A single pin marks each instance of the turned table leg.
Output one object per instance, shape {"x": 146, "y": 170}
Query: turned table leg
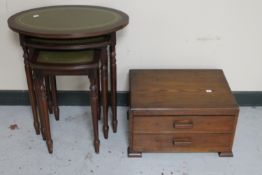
{"x": 31, "y": 92}
{"x": 40, "y": 108}
{"x": 55, "y": 107}
{"x": 104, "y": 78}
{"x": 113, "y": 80}
{"x": 43, "y": 104}
{"x": 97, "y": 55}
{"x": 49, "y": 96}
{"x": 94, "y": 105}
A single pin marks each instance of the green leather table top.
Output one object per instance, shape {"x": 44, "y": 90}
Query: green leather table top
{"x": 68, "y": 21}
{"x": 62, "y": 57}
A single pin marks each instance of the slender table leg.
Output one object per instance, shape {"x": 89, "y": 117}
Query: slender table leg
{"x": 49, "y": 97}
{"x": 94, "y": 105}
{"x": 113, "y": 80}
{"x": 98, "y": 94}
{"x": 41, "y": 91}
{"x": 31, "y": 92}
{"x": 55, "y": 107}
{"x": 97, "y": 55}
{"x": 104, "y": 77}
{"x": 40, "y": 108}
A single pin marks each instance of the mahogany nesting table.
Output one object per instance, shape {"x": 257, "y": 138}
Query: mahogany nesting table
{"x": 71, "y": 27}
{"x": 181, "y": 111}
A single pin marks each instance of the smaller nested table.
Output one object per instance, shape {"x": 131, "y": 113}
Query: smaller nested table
{"x": 71, "y": 28}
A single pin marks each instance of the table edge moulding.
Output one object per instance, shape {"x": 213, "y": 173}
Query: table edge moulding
{"x": 66, "y": 35}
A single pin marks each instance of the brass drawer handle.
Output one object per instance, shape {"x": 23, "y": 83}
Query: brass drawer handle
{"x": 183, "y": 124}
{"x": 182, "y": 142}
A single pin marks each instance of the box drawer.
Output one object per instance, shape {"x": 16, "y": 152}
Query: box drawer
{"x": 183, "y": 124}
{"x": 182, "y": 142}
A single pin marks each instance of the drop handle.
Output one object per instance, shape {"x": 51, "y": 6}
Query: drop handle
{"x": 182, "y": 142}
{"x": 183, "y": 124}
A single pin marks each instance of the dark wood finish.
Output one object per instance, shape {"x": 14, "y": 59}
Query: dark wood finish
{"x": 113, "y": 81}
{"x": 32, "y": 31}
{"x": 93, "y": 77}
{"x": 49, "y": 96}
{"x": 42, "y": 95}
{"x": 184, "y": 124}
{"x": 54, "y": 97}
{"x": 104, "y": 79}
{"x": 181, "y": 142}
{"x": 32, "y": 98}
{"x": 97, "y": 54}
{"x": 181, "y": 111}
{"x": 44, "y": 71}
{"x": 65, "y": 46}
{"x": 189, "y": 86}
{"x": 39, "y": 104}
{"x": 98, "y": 30}
{"x": 130, "y": 151}
{"x": 98, "y": 91}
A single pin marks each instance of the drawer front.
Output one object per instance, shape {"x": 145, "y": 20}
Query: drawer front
{"x": 182, "y": 142}
{"x": 183, "y": 124}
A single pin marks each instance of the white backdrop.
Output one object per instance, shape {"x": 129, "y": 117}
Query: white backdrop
{"x": 224, "y": 34}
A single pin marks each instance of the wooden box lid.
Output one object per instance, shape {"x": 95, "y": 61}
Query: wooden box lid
{"x": 181, "y": 92}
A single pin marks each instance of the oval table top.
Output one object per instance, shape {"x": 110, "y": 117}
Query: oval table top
{"x": 68, "y": 22}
